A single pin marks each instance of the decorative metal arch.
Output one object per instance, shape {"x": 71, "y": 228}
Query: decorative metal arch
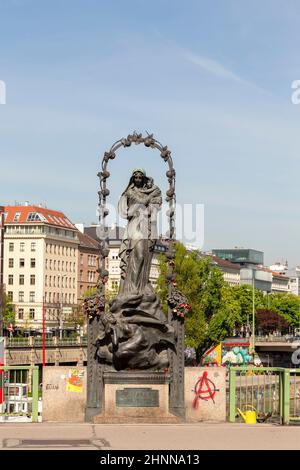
{"x": 95, "y": 369}
{"x": 165, "y": 153}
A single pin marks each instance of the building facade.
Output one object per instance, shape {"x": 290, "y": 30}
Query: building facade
{"x": 231, "y": 271}
{"x": 243, "y": 256}
{"x": 88, "y": 264}
{"x": 40, "y": 265}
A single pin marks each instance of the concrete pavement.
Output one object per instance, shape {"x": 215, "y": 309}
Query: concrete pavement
{"x": 198, "y": 436}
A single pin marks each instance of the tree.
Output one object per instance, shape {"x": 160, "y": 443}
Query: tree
{"x": 9, "y": 313}
{"x": 287, "y": 305}
{"x": 224, "y": 320}
{"x": 269, "y": 321}
{"x": 214, "y": 310}
{"x": 244, "y": 295}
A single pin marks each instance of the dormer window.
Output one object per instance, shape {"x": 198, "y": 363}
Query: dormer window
{"x": 34, "y": 217}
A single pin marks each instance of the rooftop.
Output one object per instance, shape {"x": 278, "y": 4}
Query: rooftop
{"x": 31, "y": 214}
{"x": 86, "y": 241}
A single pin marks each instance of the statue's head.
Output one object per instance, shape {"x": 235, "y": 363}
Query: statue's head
{"x": 139, "y": 177}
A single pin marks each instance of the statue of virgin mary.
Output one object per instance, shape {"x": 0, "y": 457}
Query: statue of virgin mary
{"x": 135, "y": 332}
{"x": 139, "y": 204}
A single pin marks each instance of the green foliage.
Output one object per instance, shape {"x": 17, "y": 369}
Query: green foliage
{"x": 214, "y": 309}
{"x": 9, "y": 314}
{"x": 225, "y": 318}
{"x": 243, "y": 294}
{"x": 89, "y": 292}
{"x": 287, "y": 305}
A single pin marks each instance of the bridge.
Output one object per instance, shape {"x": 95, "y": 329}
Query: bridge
{"x": 23, "y": 351}
{"x": 277, "y": 351}
{"x": 273, "y": 350}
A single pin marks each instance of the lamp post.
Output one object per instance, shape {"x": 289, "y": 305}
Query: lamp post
{"x": 253, "y": 311}
{"x": 61, "y": 318}
{"x": 1, "y": 268}
{"x": 43, "y": 334}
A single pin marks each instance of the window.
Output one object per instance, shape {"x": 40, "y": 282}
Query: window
{"x": 21, "y": 296}
{"x": 17, "y": 216}
{"x": 54, "y": 281}
{"x": 21, "y": 279}
{"x": 46, "y": 281}
{"x": 11, "y": 247}
{"x": 31, "y": 313}
{"x": 10, "y": 296}
{"x": 54, "y": 265}
{"x": 32, "y": 263}
{"x": 10, "y": 279}
{"x": 33, "y": 246}
{"x": 11, "y": 263}
{"x": 22, "y": 246}
{"x": 31, "y": 296}
{"x": 32, "y": 280}
{"x": 21, "y": 313}
{"x": 34, "y": 217}
{"x": 114, "y": 285}
{"x": 50, "y": 264}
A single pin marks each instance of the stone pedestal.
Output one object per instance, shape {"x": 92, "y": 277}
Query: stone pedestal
{"x": 136, "y": 397}
{"x": 61, "y": 402}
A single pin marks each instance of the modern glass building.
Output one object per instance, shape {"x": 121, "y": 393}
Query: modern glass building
{"x": 240, "y": 255}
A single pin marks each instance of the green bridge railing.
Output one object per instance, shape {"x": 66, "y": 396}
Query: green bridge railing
{"x": 274, "y": 393}
{"x": 19, "y": 392}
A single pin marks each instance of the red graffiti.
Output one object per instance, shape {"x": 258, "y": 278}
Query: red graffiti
{"x": 205, "y": 389}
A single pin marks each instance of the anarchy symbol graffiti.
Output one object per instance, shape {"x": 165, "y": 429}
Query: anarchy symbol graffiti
{"x": 205, "y": 389}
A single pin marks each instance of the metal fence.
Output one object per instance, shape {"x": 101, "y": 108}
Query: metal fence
{"x": 19, "y": 393}
{"x": 273, "y": 392}
{"x": 49, "y": 342}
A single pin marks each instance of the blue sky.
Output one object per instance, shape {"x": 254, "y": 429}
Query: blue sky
{"x": 210, "y": 79}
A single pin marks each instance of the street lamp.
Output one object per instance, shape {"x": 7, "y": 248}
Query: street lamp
{"x": 61, "y": 317}
{"x": 253, "y": 311}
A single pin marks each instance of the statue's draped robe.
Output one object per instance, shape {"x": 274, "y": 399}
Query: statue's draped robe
{"x": 139, "y": 206}
{"x": 139, "y": 333}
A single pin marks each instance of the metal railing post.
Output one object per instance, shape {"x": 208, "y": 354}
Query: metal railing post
{"x": 286, "y": 397}
{"x": 35, "y": 393}
{"x": 232, "y": 395}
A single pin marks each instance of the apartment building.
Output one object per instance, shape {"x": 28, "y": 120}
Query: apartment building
{"x": 88, "y": 263}
{"x": 40, "y": 265}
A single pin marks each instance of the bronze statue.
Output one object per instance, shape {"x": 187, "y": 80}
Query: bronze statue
{"x": 135, "y": 333}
